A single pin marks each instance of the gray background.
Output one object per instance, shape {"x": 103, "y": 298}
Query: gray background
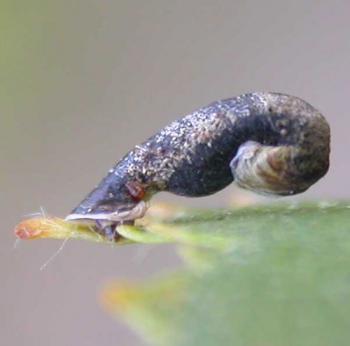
{"x": 82, "y": 81}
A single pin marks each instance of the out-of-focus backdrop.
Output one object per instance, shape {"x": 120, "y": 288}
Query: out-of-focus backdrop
{"x": 83, "y": 81}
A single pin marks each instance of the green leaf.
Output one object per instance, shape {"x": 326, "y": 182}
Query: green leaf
{"x": 255, "y": 276}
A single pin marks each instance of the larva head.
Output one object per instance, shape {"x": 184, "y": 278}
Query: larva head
{"x": 104, "y": 206}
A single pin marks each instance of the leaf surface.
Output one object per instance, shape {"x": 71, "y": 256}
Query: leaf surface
{"x": 255, "y": 276}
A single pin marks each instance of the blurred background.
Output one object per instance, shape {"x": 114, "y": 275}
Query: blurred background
{"x": 81, "y": 82}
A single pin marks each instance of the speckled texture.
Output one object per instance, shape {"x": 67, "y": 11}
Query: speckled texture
{"x": 267, "y": 142}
